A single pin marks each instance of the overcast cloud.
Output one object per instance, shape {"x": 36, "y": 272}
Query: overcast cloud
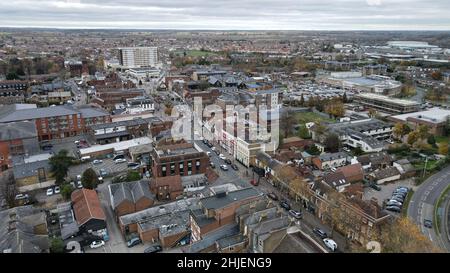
{"x": 229, "y": 14}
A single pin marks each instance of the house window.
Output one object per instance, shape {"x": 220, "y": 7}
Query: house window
{"x": 172, "y": 168}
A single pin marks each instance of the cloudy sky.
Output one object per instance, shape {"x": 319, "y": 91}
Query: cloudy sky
{"x": 229, "y": 14}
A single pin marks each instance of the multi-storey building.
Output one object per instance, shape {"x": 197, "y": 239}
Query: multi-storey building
{"x": 57, "y": 121}
{"x": 138, "y": 56}
{"x": 182, "y": 159}
{"x": 387, "y": 104}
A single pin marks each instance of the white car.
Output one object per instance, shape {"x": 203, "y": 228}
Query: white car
{"x": 97, "y": 244}
{"x": 79, "y": 177}
{"x": 57, "y": 190}
{"x": 221, "y": 156}
{"x": 97, "y": 161}
{"x": 330, "y": 244}
{"x": 79, "y": 185}
{"x": 224, "y": 167}
{"x": 49, "y": 191}
{"x": 208, "y": 153}
{"x": 120, "y": 160}
{"x": 213, "y": 148}
{"x": 100, "y": 179}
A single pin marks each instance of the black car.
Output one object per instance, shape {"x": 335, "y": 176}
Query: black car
{"x": 428, "y": 223}
{"x": 322, "y": 234}
{"x": 234, "y": 167}
{"x": 47, "y": 147}
{"x": 272, "y": 196}
{"x": 285, "y": 205}
{"x": 153, "y": 249}
{"x": 228, "y": 161}
{"x": 375, "y": 187}
{"x": 217, "y": 152}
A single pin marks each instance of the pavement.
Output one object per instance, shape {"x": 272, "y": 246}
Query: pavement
{"x": 421, "y": 206}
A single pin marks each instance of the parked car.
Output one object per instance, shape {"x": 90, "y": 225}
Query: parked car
{"x": 103, "y": 173}
{"x": 153, "y": 249}
{"x": 322, "y": 234}
{"x": 228, "y": 161}
{"x": 97, "y": 244}
{"x": 49, "y": 191}
{"x": 213, "y": 166}
{"x": 224, "y": 167}
{"x": 217, "y": 152}
{"x": 285, "y": 205}
{"x": 221, "y": 156}
{"x": 79, "y": 177}
{"x": 97, "y": 161}
{"x": 397, "y": 198}
{"x": 394, "y": 203}
{"x": 272, "y": 196}
{"x": 296, "y": 214}
{"x": 254, "y": 182}
{"x": 330, "y": 244}
{"x": 375, "y": 186}
{"x": 100, "y": 179}
{"x": 57, "y": 190}
{"x": 213, "y": 148}
{"x": 79, "y": 185}
{"x": 393, "y": 208}
{"x": 120, "y": 160}
{"x": 118, "y": 157}
{"x": 133, "y": 242}
{"x": 208, "y": 153}
{"x": 428, "y": 223}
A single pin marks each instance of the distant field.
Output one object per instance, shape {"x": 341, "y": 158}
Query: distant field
{"x": 312, "y": 117}
{"x": 196, "y": 53}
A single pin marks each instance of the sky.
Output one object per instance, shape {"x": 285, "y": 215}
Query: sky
{"x": 229, "y": 14}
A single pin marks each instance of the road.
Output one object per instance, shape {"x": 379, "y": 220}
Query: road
{"x": 421, "y": 206}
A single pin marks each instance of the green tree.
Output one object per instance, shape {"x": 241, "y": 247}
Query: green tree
{"x": 56, "y": 245}
{"x": 357, "y": 151}
{"x": 89, "y": 179}
{"x": 287, "y": 122}
{"x": 431, "y": 140}
{"x": 59, "y": 165}
{"x": 303, "y": 132}
{"x": 133, "y": 176}
{"x": 313, "y": 150}
{"x": 332, "y": 142}
{"x": 66, "y": 191}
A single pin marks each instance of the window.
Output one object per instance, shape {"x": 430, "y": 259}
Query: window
{"x": 172, "y": 168}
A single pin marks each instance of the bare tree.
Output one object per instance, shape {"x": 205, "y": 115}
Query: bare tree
{"x": 8, "y": 189}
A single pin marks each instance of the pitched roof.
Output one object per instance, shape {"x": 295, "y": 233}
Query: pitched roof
{"x": 351, "y": 171}
{"x": 335, "y": 180}
{"x": 86, "y": 206}
{"x": 131, "y": 191}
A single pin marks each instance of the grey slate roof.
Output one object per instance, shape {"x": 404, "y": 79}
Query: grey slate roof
{"x": 18, "y": 130}
{"x": 30, "y": 169}
{"x": 131, "y": 191}
{"x": 29, "y": 114}
{"x": 332, "y": 156}
{"x": 215, "y": 202}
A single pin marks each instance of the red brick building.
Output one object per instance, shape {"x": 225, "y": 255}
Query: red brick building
{"x": 166, "y": 188}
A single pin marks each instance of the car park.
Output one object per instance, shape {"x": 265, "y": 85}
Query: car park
{"x": 296, "y": 214}
{"x": 224, "y": 167}
{"x": 322, "y": 234}
{"x": 133, "y": 242}
{"x": 49, "y": 191}
{"x": 330, "y": 244}
{"x": 97, "y": 244}
{"x": 285, "y": 205}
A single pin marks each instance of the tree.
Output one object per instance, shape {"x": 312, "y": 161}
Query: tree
{"x": 303, "y": 132}
{"x": 344, "y": 97}
{"x": 133, "y": 176}
{"x": 302, "y": 100}
{"x": 443, "y": 148}
{"x": 335, "y": 108}
{"x": 404, "y": 236}
{"x": 287, "y": 122}
{"x": 400, "y": 129}
{"x": 357, "y": 151}
{"x": 332, "y": 142}
{"x": 423, "y": 131}
{"x": 436, "y": 75}
{"x": 89, "y": 179}
{"x": 313, "y": 150}
{"x": 66, "y": 191}
{"x": 8, "y": 188}
{"x": 59, "y": 165}
{"x": 203, "y": 85}
{"x": 413, "y": 137}
{"x": 431, "y": 140}
{"x": 57, "y": 245}
{"x": 372, "y": 113}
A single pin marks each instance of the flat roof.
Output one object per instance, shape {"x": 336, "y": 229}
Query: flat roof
{"x": 433, "y": 115}
{"x": 217, "y": 201}
{"x": 387, "y": 99}
{"x": 117, "y": 146}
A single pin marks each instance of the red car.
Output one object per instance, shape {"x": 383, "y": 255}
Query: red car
{"x": 254, "y": 182}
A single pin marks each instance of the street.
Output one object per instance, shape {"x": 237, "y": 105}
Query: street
{"x": 421, "y": 206}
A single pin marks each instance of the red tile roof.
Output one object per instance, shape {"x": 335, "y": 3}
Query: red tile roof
{"x": 86, "y": 206}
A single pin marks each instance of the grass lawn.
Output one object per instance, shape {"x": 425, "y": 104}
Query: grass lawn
{"x": 312, "y": 117}
{"x": 440, "y": 139}
{"x": 197, "y": 53}
{"x": 430, "y": 165}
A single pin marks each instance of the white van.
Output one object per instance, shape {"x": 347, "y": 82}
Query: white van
{"x": 85, "y": 158}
